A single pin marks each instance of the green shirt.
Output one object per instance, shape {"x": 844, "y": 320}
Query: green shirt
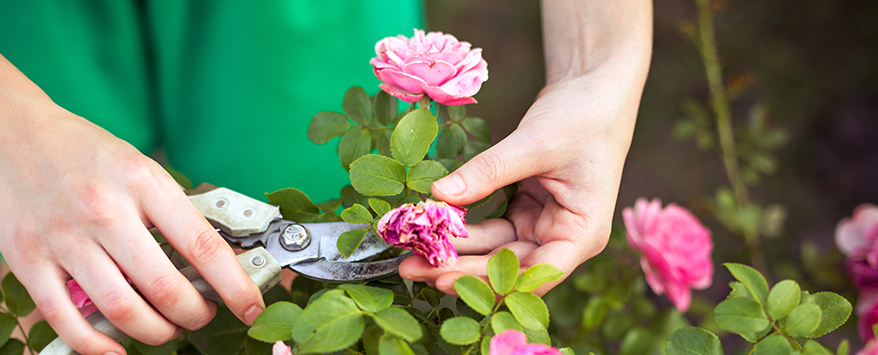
{"x": 227, "y": 88}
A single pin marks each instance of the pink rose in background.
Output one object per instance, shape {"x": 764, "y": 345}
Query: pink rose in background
{"x": 80, "y": 299}
{"x": 513, "y": 342}
{"x": 871, "y": 349}
{"x": 436, "y": 64}
{"x": 675, "y": 249}
{"x": 857, "y": 238}
{"x": 426, "y": 229}
{"x": 279, "y": 348}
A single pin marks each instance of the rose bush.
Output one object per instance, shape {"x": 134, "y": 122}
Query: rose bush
{"x": 449, "y": 71}
{"x": 857, "y": 238}
{"x": 675, "y": 249}
{"x": 425, "y": 228}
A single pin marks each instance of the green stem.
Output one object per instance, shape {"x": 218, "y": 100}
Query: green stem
{"x": 424, "y": 102}
{"x": 725, "y": 130}
{"x": 23, "y": 332}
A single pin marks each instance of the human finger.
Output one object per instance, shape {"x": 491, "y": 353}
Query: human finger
{"x": 416, "y": 268}
{"x": 485, "y": 236}
{"x": 143, "y": 261}
{"x": 199, "y": 243}
{"x": 105, "y": 285}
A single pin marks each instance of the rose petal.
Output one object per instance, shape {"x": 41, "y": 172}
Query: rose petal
{"x": 506, "y": 342}
{"x": 399, "y": 93}
{"x": 407, "y": 82}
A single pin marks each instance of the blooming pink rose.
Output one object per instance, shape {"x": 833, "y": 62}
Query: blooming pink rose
{"x": 871, "y": 349}
{"x": 436, "y": 64}
{"x": 675, "y": 249}
{"x": 279, "y": 348}
{"x": 513, "y": 342}
{"x": 425, "y": 228}
{"x": 80, "y": 299}
{"x": 857, "y": 237}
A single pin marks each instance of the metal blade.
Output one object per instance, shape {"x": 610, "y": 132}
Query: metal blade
{"x": 328, "y": 234}
{"x": 349, "y": 272}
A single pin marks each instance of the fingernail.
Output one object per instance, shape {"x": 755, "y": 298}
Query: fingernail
{"x": 251, "y": 314}
{"x": 452, "y": 185}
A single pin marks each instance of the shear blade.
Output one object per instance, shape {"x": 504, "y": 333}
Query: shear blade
{"x": 349, "y": 272}
{"x": 329, "y": 233}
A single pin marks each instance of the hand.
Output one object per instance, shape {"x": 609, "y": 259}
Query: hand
{"x": 568, "y": 153}
{"x": 77, "y": 203}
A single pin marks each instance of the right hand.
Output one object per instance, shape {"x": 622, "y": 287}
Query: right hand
{"x": 77, "y": 202}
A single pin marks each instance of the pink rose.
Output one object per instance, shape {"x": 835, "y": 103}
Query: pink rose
{"x": 675, "y": 249}
{"x": 871, "y": 349}
{"x": 80, "y": 299}
{"x": 279, "y": 348}
{"x": 513, "y": 342}
{"x": 436, "y": 64}
{"x": 426, "y": 229}
{"x": 857, "y": 237}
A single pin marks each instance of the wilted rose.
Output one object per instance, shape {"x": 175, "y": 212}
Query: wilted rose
{"x": 426, "y": 229}
{"x": 857, "y": 237}
{"x": 279, "y": 348}
{"x": 513, "y": 342}
{"x": 436, "y": 64}
{"x": 80, "y": 299}
{"x": 675, "y": 249}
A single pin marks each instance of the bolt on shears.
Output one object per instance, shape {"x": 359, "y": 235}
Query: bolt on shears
{"x": 274, "y": 243}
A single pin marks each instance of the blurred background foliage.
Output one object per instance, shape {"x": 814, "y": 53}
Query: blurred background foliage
{"x": 808, "y": 65}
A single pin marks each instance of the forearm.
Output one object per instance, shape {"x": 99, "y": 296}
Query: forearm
{"x": 581, "y": 36}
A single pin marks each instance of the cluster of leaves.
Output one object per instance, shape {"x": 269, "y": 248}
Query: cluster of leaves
{"x": 606, "y": 309}
{"x": 385, "y": 152}
{"x": 381, "y": 318}
{"x": 18, "y": 304}
{"x": 775, "y": 320}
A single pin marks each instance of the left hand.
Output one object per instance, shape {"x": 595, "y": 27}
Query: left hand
{"x": 568, "y": 152}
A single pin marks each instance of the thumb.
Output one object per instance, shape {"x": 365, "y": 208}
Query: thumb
{"x": 508, "y": 161}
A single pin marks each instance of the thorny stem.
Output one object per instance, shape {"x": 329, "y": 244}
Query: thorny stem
{"x": 720, "y": 104}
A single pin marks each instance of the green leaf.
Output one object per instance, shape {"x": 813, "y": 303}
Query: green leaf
{"x": 18, "y": 301}
{"x": 326, "y": 126}
{"x": 386, "y": 108}
{"x": 354, "y": 144}
{"x": 7, "y": 326}
{"x": 376, "y": 175}
{"x": 349, "y": 196}
{"x": 40, "y": 335}
{"x": 329, "y": 206}
{"x": 476, "y": 293}
{"x": 481, "y": 202}
{"x": 539, "y": 336}
{"x": 450, "y": 164}
{"x": 812, "y": 347}
{"x": 294, "y": 204}
{"x": 460, "y": 331}
{"x": 398, "y": 322}
{"x": 502, "y": 321}
{"x": 684, "y": 129}
{"x": 13, "y": 347}
{"x": 134, "y": 347}
{"x": 357, "y": 214}
{"x": 471, "y": 149}
{"x": 843, "y": 348}
{"x": 803, "y": 320}
{"x": 331, "y": 323}
{"x": 503, "y": 271}
{"x": 380, "y": 206}
{"x": 225, "y": 334}
{"x": 445, "y": 313}
{"x": 369, "y": 299}
{"x": 275, "y": 323}
{"x": 738, "y": 290}
{"x": 536, "y": 276}
{"x": 413, "y": 136}
{"x": 478, "y": 128}
{"x": 773, "y": 345}
{"x": 459, "y": 136}
{"x": 446, "y": 145}
{"x": 594, "y": 312}
{"x": 456, "y": 112}
{"x": 421, "y": 177}
{"x": 637, "y": 341}
{"x": 693, "y": 341}
{"x": 740, "y": 315}
{"x": 784, "y": 296}
{"x": 529, "y": 310}
{"x": 358, "y": 106}
{"x": 427, "y": 294}
{"x": 566, "y": 351}
{"x": 835, "y": 310}
{"x": 464, "y": 310}
{"x": 391, "y": 345}
{"x": 349, "y": 241}
{"x": 384, "y": 143}
{"x": 253, "y": 347}
{"x": 485, "y": 345}
{"x": 751, "y": 279}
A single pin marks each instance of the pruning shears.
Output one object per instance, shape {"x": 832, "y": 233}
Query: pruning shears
{"x": 274, "y": 243}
